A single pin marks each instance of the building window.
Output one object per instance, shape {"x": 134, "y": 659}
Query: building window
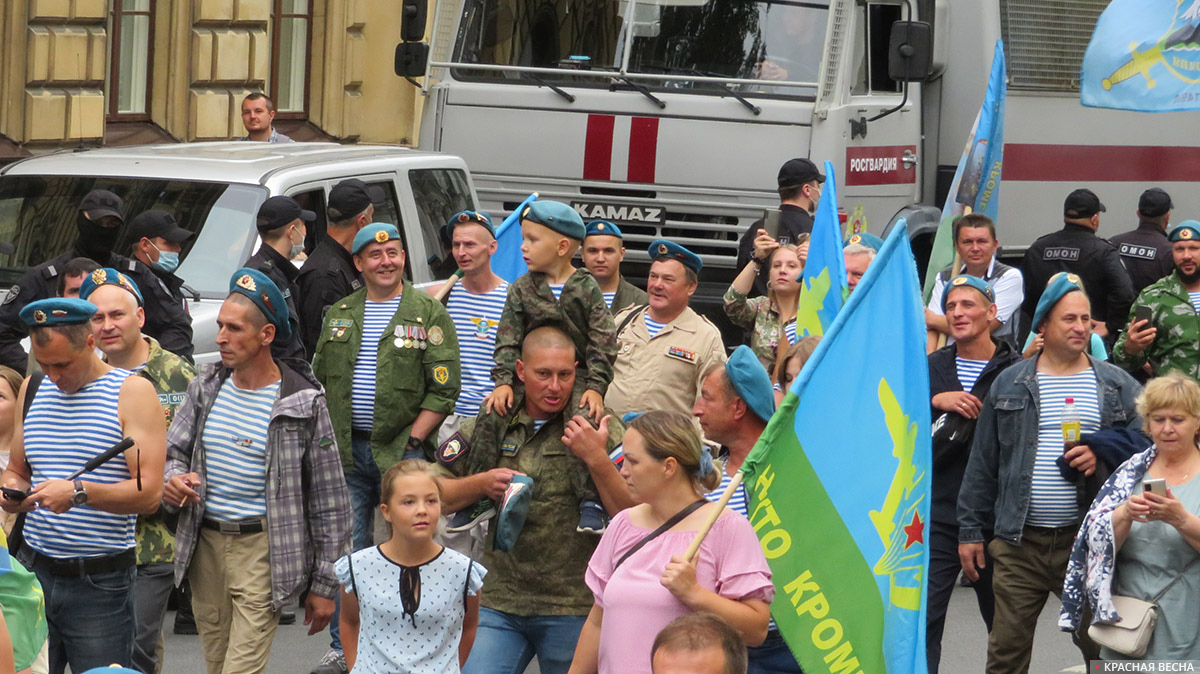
{"x": 291, "y": 34}
{"x": 131, "y": 29}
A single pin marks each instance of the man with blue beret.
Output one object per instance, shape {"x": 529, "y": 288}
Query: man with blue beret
{"x": 866, "y": 239}
{"x": 735, "y": 404}
{"x": 1013, "y": 482}
{"x": 602, "y": 253}
{"x": 117, "y": 326}
{"x": 253, "y": 443}
{"x": 79, "y": 533}
{"x": 281, "y": 226}
{"x": 960, "y": 376}
{"x": 389, "y": 360}
{"x": 1170, "y": 339}
{"x": 665, "y": 350}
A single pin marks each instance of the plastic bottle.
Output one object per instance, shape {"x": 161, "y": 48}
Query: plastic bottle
{"x": 1071, "y": 426}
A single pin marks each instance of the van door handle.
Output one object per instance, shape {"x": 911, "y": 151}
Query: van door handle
{"x": 909, "y": 159}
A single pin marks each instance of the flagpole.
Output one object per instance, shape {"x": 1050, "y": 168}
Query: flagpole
{"x": 953, "y": 268}
{"x": 712, "y": 518}
{"x": 445, "y": 289}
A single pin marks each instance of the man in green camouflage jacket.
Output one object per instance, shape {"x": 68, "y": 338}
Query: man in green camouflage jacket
{"x": 117, "y": 326}
{"x": 1170, "y": 340}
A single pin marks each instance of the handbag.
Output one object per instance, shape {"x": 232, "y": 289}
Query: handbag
{"x": 666, "y": 526}
{"x": 1131, "y": 634}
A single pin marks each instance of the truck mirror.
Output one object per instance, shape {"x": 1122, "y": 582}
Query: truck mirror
{"x": 910, "y": 51}
{"x": 411, "y": 58}
{"x": 412, "y": 20}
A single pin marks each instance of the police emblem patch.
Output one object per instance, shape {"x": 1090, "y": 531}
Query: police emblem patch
{"x": 245, "y": 281}
{"x": 381, "y": 236}
{"x": 12, "y": 294}
{"x": 436, "y": 336}
{"x": 441, "y": 374}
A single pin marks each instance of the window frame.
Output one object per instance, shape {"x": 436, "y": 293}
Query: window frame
{"x": 113, "y": 82}
{"x": 276, "y": 23}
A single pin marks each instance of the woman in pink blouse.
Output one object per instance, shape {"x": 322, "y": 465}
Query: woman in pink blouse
{"x": 637, "y": 594}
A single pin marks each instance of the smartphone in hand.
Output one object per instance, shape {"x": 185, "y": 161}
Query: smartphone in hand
{"x": 14, "y": 495}
{"x": 1155, "y": 485}
{"x": 1142, "y": 313}
{"x": 771, "y": 218}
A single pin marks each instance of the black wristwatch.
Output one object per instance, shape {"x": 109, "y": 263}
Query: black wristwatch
{"x": 414, "y": 445}
{"x": 81, "y": 496}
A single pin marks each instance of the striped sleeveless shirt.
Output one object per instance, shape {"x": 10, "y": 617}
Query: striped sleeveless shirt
{"x": 62, "y": 432}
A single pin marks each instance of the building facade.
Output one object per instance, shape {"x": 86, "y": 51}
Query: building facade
{"x": 119, "y": 72}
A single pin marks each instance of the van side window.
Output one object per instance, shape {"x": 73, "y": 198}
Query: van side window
{"x": 439, "y": 194}
{"x": 313, "y": 200}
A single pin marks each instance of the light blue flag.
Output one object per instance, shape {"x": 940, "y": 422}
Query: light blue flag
{"x": 1144, "y": 55}
{"x": 824, "y": 274}
{"x": 508, "y": 262}
{"x": 976, "y": 182}
{"x": 839, "y": 483}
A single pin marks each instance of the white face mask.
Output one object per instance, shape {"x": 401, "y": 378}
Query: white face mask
{"x": 297, "y": 248}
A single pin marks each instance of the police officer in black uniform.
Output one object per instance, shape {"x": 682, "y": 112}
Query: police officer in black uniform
{"x": 329, "y": 274}
{"x": 101, "y": 214}
{"x": 799, "y": 190}
{"x": 1146, "y": 251}
{"x": 1076, "y": 248}
{"x": 281, "y": 226}
{"x": 157, "y": 240}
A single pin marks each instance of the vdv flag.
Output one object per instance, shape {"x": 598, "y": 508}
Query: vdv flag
{"x": 1144, "y": 55}
{"x": 839, "y": 483}
{"x": 508, "y": 262}
{"x": 824, "y": 277}
{"x": 976, "y": 182}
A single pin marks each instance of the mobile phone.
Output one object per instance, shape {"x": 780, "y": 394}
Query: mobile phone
{"x": 1155, "y": 485}
{"x": 771, "y": 218}
{"x": 1142, "y": 313}
{"x": 14, "y": 495}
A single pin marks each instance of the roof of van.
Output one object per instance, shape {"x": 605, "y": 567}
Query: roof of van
{"x": 227, "y": 161}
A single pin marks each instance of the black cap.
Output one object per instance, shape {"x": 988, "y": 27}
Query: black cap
{"x": 150, "y": 224}
{"x": 1082, "y": 203}
{"x": 351, "y": 197}
{"x": 102, "y": 203}
{"x": 796, "y": 172}
{"x": 1154, "y": 202}
{"x": 279, "y": 211}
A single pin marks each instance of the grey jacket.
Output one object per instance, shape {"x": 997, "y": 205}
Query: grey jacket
{"x": 998, "y": 483}
{"x": 308, "y": 503}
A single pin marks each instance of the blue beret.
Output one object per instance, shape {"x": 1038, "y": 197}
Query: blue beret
{"x": 1060, "y": 284}
{"x": 1188, "y": 230}
{"x": 376, "y": 232}
{"x": 751, "y": 382}
{"x": 865, "y": 238}
{"x": 107, "y": 276}
{"x": 514, "y": 508}
{"x": 603, "y": 228}
{"x": 557, "y": 216}
{"x": 57, "y": 311}
{"x": 673, "y": 251}
{"x": 970, "y": 281}
{"x": 111, "y": 669}
{"x": 477, "y": 217}
{"x": 266, "y": 296}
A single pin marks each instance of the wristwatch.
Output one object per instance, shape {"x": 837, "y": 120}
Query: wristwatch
{"x": 81, "y": 495}
{"x": 414, "y": 445}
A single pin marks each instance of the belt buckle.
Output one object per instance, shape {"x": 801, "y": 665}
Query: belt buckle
{"x": 231, "y": 528}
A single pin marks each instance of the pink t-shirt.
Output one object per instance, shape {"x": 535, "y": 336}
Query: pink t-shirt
{"x": 636, "y": 605}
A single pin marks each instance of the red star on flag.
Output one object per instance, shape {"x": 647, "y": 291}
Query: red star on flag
{"x": 915, "y": 531}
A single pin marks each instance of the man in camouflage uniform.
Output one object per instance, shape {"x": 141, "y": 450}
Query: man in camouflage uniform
{"x": 1171, "y": 338}
{"x": 537, "y": 600}
{"x": 117, "y": 326}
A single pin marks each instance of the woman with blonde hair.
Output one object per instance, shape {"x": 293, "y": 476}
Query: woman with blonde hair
{"x": 1141, "y": 536}
{"x": 638, "y": 573}
{"x": 771, "y": 319}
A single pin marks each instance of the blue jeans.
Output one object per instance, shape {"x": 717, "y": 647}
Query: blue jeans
{"x": 772, "y": 657}
{"x": 90, "y": 617}
{"x": 506, "y": 643}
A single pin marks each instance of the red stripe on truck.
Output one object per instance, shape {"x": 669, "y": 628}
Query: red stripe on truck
{"x": 643, "y": 149}
{"x": 1101, "y": 163}
{"x": 597, "y": 147}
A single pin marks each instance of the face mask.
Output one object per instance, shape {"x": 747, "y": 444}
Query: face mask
{"x": 168, "y": 261}
{"x": 297, "y": 248}
{"x": 95, "y": 242}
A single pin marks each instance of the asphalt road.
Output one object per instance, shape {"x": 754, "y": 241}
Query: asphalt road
{"x": 964, "y": 646}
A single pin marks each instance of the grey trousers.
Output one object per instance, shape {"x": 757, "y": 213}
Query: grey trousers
{"x": 151, "y": 589}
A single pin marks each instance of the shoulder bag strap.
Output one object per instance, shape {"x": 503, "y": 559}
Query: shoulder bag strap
{"x": 350, "y": 563}
{"x": 16, "y": 535}
{"x": 666, "y": 526}
{"x": 1176, "y": 580}
{"x": 467, "y": 582}
{"x": 630, "y": 316}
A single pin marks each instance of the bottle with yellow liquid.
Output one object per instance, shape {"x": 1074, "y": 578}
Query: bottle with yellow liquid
{"x": 1071, "y": 426}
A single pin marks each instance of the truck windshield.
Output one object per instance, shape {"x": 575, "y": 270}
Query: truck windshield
{"x": 761, "y": 44}
{"x": 38, "y": 213}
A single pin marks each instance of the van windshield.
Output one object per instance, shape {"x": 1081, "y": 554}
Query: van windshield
{"x": 759, "y": 43}
{"x": 38, "y": 214}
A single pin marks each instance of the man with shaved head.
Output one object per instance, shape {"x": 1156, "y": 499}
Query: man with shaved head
{"x": 536, "y": 601}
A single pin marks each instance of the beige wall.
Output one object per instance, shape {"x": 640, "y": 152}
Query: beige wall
{"x": 208, "y": 54}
